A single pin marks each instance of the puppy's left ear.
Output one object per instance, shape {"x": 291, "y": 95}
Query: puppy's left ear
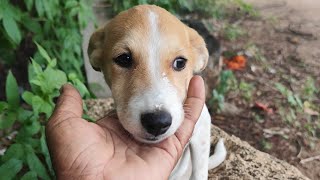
{"x": 200, "y": 50}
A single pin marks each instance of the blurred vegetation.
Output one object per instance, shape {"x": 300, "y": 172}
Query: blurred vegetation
{"x": 210, "y": 8}
{"x": 56, "y": 25}
{"x": 23, "y": 157}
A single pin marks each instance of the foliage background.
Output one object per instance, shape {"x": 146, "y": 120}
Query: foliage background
{"x": 41, "y": 71}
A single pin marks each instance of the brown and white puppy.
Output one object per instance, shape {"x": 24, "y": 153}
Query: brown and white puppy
{"x": 148, "y": 57}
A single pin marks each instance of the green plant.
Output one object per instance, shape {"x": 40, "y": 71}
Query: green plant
{"x": 310, "y": 89}
{"x": 246, "y": 8}
{"x": 232, "y": 32}
{"x": 227, "y": 82}
{"x": 56, "y": 24}
{"x": 293, "y": 99}
{"x": 266, "y": 145}
{"x": 288, "y": 114}
{"x": 211, "y": 8}
{"x": 255, "y": 52}
{"x": 257, "y": 117}
{"x": 27, "y": 156}
{"x": 246, "y": 90}
{"x": 171, "y": 5}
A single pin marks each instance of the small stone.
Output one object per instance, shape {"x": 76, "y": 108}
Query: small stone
{"x": 293, "y": 40}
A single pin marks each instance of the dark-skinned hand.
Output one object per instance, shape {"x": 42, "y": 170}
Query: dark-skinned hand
{"x": 104, "y": 150}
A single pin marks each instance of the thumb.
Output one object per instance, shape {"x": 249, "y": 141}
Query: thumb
{"x": 192, "y": 109}
{"x": 69, "y": 104}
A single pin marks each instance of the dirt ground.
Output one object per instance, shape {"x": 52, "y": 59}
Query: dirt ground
{"x": 285, "y": 38}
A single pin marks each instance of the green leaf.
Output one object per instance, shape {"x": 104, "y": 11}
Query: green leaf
{"x": 3, "y": 106}
{"x": 46, "y": 108}
{"x": 36, "y": 82}
{"x": 81, "y": 88}
{"x": 36, "y": 67}
{"x": 31, "y": 24}
{"x": 281, "y": 88}
{"x": 35, "y": 165}
{"x": 72, "y": 76}
{"x": 10, "y": 169}
{"x": 48, "y": 10}
{"x": 292, "y": 100}
{"x": 70, "y": 4}
{"x": 298, "y": 100}
{"x": 14, "y": 151}
{"x": 43, "y": 53}
{"x": 27, "y": 97}
{"x": 39, "y": 7}
{"x": 54, "y": 79}
{"x": 12, "y": 91}
{"x": 23, "y": 115}
{"x": 24, "y": 138}
{"x": 36, "y": 103}
{"x": 53, "y": 63}
{"x": 29, "y": 176}
{"x": 12, "y": 29}
{"x": 45, "y": 151}
{"x": 29, "y": 4}
{"x": 32, "y": 128}
{"x": 7, "y": 120}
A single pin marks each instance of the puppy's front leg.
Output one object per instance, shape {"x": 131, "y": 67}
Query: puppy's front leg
{"x": 200, "y": 146}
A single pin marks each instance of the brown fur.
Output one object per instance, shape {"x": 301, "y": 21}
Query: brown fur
{"x": 128, "y": 32}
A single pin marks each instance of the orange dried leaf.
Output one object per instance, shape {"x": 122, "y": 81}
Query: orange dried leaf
{"x": 264, "y": 107}
{"x": 236, "y": 62}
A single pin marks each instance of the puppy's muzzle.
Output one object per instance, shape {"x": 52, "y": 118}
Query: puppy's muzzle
{"x": 156, "y": 123}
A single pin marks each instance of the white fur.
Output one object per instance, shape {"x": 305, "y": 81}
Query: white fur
{"x": 161, "y": 96}
{"x": 154, "y": 44}
{"x": 195, "y": 157}
{"x": 220, "y": 154}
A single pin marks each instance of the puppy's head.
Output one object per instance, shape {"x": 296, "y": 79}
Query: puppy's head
{"x": 148, "y": 58}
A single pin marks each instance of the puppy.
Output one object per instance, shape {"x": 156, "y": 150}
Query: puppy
{"x": 148, "y": 57}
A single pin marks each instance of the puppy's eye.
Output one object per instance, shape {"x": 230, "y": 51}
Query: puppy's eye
{"x": 179, "y": 63}
{"x": 124, "y": 60}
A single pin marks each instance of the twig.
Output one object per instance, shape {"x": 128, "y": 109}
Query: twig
{"x": 310, "y": 159}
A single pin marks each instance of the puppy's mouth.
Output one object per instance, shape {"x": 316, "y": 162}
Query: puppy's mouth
{"x": 149, "y": 140}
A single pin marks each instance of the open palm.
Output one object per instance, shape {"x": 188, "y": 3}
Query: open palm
{"x": 104, "y": 150}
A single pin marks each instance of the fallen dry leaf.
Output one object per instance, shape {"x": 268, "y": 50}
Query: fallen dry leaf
{"x": 263, "y": 107}
{"x": 236, "y": 62}
{"x": 310, "y": 111}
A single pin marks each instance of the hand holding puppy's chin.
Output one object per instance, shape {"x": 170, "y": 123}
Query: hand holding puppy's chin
{"x": 104, "y": 150}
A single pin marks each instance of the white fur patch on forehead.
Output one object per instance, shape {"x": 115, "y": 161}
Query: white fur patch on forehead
{"x": 153, "y": 18}
{"x": 154, "y": 44}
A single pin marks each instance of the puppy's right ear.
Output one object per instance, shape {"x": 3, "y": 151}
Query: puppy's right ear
{"x": 95, "y": 48}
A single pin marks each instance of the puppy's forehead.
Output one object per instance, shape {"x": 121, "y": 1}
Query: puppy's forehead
{"x": 141, "y": 22}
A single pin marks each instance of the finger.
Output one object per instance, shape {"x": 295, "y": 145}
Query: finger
{"x": 192, "y": 107}
{"x": 69, "y": 104}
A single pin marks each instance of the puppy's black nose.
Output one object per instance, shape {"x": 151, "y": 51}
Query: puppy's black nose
{"x": 156, "y": 123}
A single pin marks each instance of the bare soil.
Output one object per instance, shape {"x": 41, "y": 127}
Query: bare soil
{"x": 286, "y": 37}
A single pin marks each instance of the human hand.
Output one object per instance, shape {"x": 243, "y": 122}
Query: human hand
{"x": 104, "y": 150}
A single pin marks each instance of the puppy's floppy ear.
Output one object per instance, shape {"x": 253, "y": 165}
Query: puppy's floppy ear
{"x": 95, "y": 48}
{"x": 200, "y": 50}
